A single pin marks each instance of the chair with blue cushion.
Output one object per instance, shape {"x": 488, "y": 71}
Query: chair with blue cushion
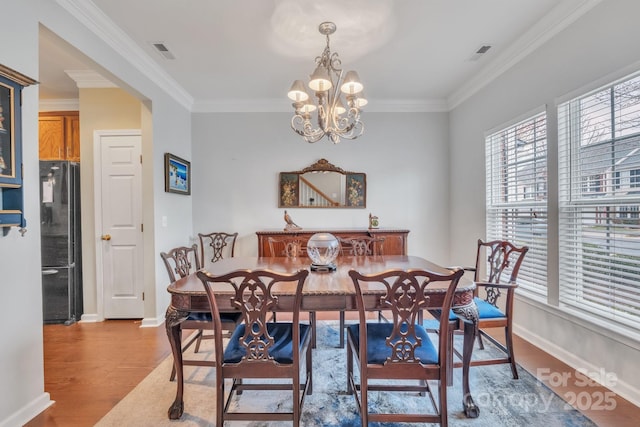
{"x": 180, "y": 262}
{"x": 268, "y": 354}
{"x": 399, "y": 356}
{"x": 501, "y": 260}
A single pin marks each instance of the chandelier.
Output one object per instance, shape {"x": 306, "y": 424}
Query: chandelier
{"x": 335, "y": 118}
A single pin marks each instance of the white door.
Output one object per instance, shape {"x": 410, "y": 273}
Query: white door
{"x": 120, "y": 242}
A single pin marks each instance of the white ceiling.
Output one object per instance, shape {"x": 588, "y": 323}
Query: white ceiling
{"x": 244, "y": 54}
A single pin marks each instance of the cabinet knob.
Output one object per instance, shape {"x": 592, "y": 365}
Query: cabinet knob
{"x": 106, "y": 237}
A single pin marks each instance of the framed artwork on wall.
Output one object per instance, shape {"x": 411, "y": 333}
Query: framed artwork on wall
{"x": 177, "y": 174}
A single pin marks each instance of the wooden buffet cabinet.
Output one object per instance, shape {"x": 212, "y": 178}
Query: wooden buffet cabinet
{"x": 59, "y": 135}
{"x": 395, "y": 242}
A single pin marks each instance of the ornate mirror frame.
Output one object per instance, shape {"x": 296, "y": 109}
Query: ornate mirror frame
{"x": 322, "y": 185}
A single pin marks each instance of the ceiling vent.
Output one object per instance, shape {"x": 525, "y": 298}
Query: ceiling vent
{"x": 163, "y": 50}
{"x": 479, "y": 52}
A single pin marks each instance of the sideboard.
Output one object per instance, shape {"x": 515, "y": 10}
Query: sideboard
{"x": 395, "y": 240}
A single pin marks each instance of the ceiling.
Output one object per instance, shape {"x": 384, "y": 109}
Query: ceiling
{"x": 244, "y": 54}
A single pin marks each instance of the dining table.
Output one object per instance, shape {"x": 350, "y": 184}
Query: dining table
{"x": 323, "y": 291}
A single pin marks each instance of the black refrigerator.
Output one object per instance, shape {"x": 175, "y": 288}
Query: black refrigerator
{"x": 60, "y": 241}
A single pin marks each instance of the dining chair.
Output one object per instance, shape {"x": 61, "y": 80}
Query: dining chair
{"x": 180, "y": 262}
{"x": 500, "y": 260}
{"x": 270, "y": 354}
{"x": 291, "y": 247}
{"x": 287, "y": 246}
{"x": 360, "y": 246}
{"x": 216, "y": 246}
{"x": 399, "y": 355}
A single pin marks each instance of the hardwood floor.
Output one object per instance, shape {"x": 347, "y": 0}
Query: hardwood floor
{"x": 89, "y": 367}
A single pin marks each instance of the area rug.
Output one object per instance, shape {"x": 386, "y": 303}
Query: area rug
{"x": 503, "y": 401}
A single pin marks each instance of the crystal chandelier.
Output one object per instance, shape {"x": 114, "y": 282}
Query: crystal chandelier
{"x": 335, "y": 119}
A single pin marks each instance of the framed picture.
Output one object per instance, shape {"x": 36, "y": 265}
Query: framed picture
{"x": 177, "y": 174}
{"x": 9, "y": 164}
{"x": 289, "y": 189}
{"x": 356, "y": 190}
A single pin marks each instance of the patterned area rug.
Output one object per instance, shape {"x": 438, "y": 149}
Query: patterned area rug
{"x": 503, "y": 401}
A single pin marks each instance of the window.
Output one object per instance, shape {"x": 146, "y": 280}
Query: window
{"x": 599, "y": 176}
{"x": 516, "y": 158}
{"x": 634, "y": 178}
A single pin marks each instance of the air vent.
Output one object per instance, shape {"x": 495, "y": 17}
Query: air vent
{"x": 163, "y": 50}
{"x": 479, "y": 52}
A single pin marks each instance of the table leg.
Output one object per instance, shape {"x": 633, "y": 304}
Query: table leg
{"x": 173, "y": 318}
{"x": 469, "y": 319}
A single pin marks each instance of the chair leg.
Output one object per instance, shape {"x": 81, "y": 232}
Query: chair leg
{"x": 480, "y": 343}
{"x": 312, "y": 322}
{"x": 198, "y": 340}
{"x": 512, "y": 357}
{"x": 442, "y": 385}
{"x": 349, "y": 370}
{"x": 452, "y": 328}
{"x": 342, "y": 329}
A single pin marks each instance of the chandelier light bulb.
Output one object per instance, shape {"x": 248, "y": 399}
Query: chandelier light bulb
{"x": 351, "y": 84}
{"x": 320, "y": 80}
{"x": 297, "y": 92}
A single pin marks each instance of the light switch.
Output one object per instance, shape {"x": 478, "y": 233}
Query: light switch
{"x": 164, "y": 221}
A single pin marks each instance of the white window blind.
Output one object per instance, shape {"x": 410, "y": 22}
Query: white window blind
{"x": 516, "y": 168}
{"x": 599, "y": 167}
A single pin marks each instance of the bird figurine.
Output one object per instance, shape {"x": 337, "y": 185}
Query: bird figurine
{"x": 290, "y": 224}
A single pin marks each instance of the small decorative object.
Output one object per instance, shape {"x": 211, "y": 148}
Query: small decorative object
{"x": 373, "y": 221}
{"x": 323, "y": 249}
{"x": 177, "y": 174}
{"x": 290, "y": 224}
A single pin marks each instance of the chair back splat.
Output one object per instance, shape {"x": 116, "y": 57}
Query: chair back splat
{"x": 399, "y": 356}
{"x": 216, "y": 246}
{"x": 258, "y": 349}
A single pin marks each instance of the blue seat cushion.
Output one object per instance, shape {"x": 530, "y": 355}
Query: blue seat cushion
{"x": 281, "y": 351}
{"x": 377, "y": 349}
{"x": 434, "y": 324}
{"x": 487, "y": 310}
{"x": 202, "y": 317}
{"x": 206, "y": 317}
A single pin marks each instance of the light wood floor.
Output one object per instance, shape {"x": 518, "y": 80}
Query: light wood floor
{"x": 89, "y": 367}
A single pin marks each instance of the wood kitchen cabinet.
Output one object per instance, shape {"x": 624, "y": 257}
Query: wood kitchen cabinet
{"x": 59, "y": 135}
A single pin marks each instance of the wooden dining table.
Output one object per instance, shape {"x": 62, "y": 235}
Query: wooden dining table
{"x": 323, "y": 291}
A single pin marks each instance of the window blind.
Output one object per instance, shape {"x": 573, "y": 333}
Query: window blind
{"x": 599, "y": 197}
{"x": 516, "y": 205}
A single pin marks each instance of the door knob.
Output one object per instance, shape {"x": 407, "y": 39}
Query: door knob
{"x": 106, "y": 237}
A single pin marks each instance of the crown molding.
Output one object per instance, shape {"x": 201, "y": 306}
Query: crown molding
{"x": 282, "y": 106}
{"x": 98, "y": 23}
{"x": 59, "y": 105}
{"x": 563, "y": 15}
{"x": 89, "y": 79}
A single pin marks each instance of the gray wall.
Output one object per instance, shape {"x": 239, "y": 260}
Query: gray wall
{"x": 599, "y": 47}
{"x": 237, "y": 158}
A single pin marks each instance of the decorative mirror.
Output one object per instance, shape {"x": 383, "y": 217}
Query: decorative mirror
{"x": 322, "y": 185}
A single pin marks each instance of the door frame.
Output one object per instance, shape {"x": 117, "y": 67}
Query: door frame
{"x": 97, "y": 200}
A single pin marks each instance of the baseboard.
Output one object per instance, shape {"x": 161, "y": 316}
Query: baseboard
{"x": 621, "y": 387}
{"x": 28, "y": 412}
{"x": 151, "y": 322}
{"x": 90, "y": 318}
